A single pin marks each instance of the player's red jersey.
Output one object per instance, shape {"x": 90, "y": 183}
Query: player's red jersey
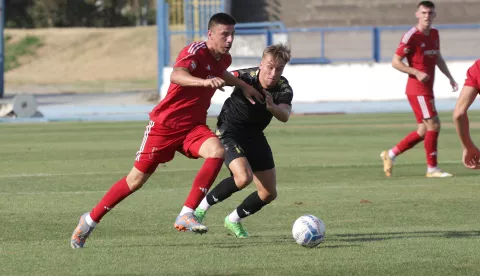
{"x": 421, "y": 51}
{"x": 186, "y": 107}
{"x": 473, "y": 75}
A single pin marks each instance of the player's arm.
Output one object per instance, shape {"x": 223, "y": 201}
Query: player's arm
{"x": 183, "y": 77}
{"x": 397, "y": 63}
{"x": 442, "y": 65}
{"x": 460, "y": 117}
{"x": 231, "y": 80}
{"x": 281, "y": 111}
{"x": 249, "y": 92}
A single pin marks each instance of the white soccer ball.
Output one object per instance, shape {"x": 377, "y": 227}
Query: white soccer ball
{"x": 308, "y": 231}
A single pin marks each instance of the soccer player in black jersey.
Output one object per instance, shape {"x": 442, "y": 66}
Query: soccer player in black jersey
{"x": 240, "y": 128}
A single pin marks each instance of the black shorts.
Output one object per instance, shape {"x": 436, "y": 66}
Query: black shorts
{"x": 255, "y": 148}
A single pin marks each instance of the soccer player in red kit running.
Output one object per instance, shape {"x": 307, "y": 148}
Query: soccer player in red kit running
{"x": 471, "y": 154}
{"x": 178, "y": 123}
{"x": 421, "y": 46}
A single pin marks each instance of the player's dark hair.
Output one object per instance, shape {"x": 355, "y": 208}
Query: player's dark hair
{"x": 222, "y": 19}
{"x": 278, "y": 51}
{"x": 427, "y": 4}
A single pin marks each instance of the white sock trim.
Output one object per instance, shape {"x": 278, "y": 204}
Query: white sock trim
{"x": 234, "y": 217}
{"x": 391, "y": 154}
{"x": 89, "y": 221}
{"x": 186, "y": 210}
{"x": 204, "y": 204}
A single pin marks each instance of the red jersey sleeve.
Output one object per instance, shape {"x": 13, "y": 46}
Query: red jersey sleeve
{"x": 406, "y": 44}
{"x": 473, "y": 75}
{"x": 187, "y": 59}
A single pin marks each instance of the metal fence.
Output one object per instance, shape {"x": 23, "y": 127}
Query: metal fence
{"x": 340, "y": 44}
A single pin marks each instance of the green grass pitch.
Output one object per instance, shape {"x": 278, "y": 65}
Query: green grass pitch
{"x": 328, "y": 166}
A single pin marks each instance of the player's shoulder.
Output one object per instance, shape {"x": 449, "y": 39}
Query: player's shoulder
{"x": 284, "y": 85}
{"x": 251, "y": 72}
{"x": 195, "y": 48}
{"x": 476, "y": 65}
{"x": 410, "y": 35}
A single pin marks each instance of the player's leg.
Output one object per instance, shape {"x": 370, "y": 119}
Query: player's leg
{"x": 261, "y": 161}
{"x": 409, "y": 141}
{"x": 240, "y": 173}
{"x": 266, "y": 183}
{"x": 146, "y": 161}
{"x": 431, "y": 143}
{"x": 200, "y": 142}
{"x": 241, "y": 176}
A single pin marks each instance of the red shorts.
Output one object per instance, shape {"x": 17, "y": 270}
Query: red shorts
{"x": 160, "y": 144}
{"x": 423, "y": 107}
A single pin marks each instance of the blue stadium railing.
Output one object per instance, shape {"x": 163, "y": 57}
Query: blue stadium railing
{"x": 373, "y": 35}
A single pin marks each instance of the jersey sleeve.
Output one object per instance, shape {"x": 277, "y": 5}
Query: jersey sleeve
{"x": 286, "y": 93}
{"x": 406, "y": 45}
{"x": 187, "y": 60}
{"x": 247, "y": 75}
{"x": 473, "y": 75}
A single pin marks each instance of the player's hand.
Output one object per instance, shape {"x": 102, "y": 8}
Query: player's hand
{"x": 252, "y": 94}
{"x": 454, "y": 85}
{"x": 268, "y": 99}
{"x": 216, "y": 82}
{"x": 471, "y": 157}
{"x": 422, "y": 77}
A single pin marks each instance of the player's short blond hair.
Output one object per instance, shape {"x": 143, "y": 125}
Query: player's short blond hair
{"x": 278, "y": 52}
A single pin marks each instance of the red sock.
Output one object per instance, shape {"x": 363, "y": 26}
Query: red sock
{"x": 203, "y": 181}
{"x": 407, "y": 143}
{"x": 117, "y": 193}
{"x": 431, "y": 141}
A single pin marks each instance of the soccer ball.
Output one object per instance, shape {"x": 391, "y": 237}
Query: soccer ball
{"x": 308, "y": 231}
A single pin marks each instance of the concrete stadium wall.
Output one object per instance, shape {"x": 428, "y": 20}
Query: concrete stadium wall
{"x": 350, "y": 82}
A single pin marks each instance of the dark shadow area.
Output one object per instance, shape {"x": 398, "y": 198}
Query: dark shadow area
{"x": 256, "y": 10}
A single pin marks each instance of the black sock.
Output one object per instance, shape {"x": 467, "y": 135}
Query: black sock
{"x": 250, "y": 205}
{"x": 222, "y": 191}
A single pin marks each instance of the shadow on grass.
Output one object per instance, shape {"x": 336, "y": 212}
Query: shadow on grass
{"x": 372, "y": 237}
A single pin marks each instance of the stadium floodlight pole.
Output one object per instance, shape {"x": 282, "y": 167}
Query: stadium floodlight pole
{"x": 2, "y": 23}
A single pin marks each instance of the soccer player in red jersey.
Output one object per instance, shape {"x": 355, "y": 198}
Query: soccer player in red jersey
{"x": 421, "y": 46}
{"x": 470, "y": 90}
{"x": 178, "y": 123}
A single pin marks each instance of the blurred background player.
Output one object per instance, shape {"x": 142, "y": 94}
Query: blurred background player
{"x": 178, "y": 123}
{"x": 470, "y": 90}
{"x": 421, "y": 46}
{"x": 240, "y": 127}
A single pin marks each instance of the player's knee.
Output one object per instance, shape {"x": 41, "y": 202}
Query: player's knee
{"x": 136, "y": 179}
{"x": 422, "y": 130}
{"x": 243, "y": 179}
{"x": 268, "y": 196}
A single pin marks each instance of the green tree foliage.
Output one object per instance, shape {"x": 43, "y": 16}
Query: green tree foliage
{"x": 78, "y": 13}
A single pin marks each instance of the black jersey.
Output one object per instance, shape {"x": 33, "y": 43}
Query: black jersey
{"x": 247, "y": 118}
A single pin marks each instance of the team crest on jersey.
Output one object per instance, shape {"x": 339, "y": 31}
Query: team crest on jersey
{"x": 430, "y": 53}
{"x": 253, "y": 73}
{"x": 208, "y": 67}
{"x": 193, "y": 65}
